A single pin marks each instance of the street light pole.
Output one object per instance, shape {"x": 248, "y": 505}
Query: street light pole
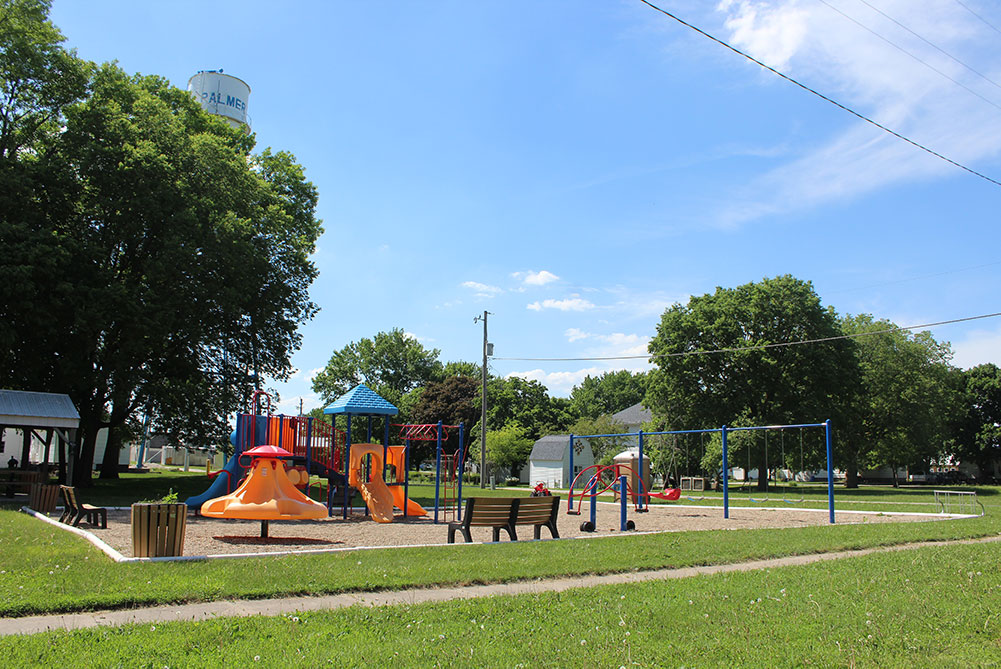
{"x": 483, "y": 402}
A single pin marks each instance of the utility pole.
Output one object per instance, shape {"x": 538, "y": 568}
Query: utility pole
{"x": 483, "y": 402}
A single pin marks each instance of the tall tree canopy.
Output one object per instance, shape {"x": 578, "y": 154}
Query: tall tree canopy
{"x": 390, "y": 363}
{"x": 606, "y": 394}
{"x": 900, "y": 415}
{"x": 979, "y": 426}
{"x": 750, "y": 384}
{"x": 157, "y": 264}
{"x": 524, "y": 403}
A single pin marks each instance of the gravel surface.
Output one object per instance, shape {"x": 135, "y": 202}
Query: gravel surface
{"x": 212, "y": 536}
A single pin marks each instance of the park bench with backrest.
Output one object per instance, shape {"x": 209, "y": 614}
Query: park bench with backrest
{"x": 76, "y": 511}
{"x": 19, "y": 480}
{"x": 505, "y": 513}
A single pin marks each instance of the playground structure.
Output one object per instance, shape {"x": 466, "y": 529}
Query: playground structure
{"x": 379, "y": 472}
{"x": 626, "y": 482}
{"x": 641, "y": 495}
{"x": 448, "y": 488}
{"x": 266, "y": 494}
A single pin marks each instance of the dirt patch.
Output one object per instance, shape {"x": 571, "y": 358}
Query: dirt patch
{"x": 212, "y": 536}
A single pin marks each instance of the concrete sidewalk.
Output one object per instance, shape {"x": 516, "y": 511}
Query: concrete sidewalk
{"x": 274, "y": 607}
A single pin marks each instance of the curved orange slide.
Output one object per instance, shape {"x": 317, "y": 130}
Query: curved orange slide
{"x": 379, "y": 497}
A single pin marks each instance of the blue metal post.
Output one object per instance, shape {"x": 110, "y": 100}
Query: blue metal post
{"x": 726, "y": 476}
{"x": 347, "y": 465}
{"x": 830, "y": 469}
{"x": 437, "y": 475}
{"x": 572, "y": 477}
{"x": 594, "y": 500}
{"x": 641, "y": 485}
{"x": 622, "y": 503}
{"x": 460, "y": 470}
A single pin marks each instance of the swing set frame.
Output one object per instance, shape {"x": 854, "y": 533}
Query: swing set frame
{"x": 723, "y": 431}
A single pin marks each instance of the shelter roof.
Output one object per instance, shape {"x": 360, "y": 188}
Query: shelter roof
{"x": 361, "y": 401}
{"x": 636, "y": 415}
{"x": 550, "y": 447}
{"x": 22, "y": 408}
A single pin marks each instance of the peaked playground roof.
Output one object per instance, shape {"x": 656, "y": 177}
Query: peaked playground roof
{"x": 361, "y": 401}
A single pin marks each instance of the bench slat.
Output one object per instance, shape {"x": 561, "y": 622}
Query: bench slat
{"x": 504, "y": 513}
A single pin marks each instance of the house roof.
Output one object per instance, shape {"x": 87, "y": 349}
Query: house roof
{"x": 361, "y": 401}
{"x": 21, "y": 408}
{"x": 637, "y": 414}
{"x": 550, "y": 447}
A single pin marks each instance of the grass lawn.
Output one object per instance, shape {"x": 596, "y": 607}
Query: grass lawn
{"x": 44, "y": 569}
{"x": 932, "y": 607}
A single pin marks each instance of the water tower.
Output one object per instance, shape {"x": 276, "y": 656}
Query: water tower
{"x": 223, "y": 95}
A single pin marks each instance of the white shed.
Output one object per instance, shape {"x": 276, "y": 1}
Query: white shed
{"x": 549, "y": 462}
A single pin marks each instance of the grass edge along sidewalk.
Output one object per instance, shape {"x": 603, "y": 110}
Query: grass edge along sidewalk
{"x": 872, "y": 610}
{"x": 50, "y": 571}
{"x": 272, "y": 607}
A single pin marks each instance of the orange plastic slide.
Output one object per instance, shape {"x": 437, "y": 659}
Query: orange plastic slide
{"x": 379, "y": 497}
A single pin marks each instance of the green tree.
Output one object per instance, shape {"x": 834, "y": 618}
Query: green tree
{"x": 716, "y": 370}
{"x": 38, "y": 77}
{"x": 524, "y": 403}
{"x": 160, "y": 265}
{"x": 460, "y": 368}
{"x": 391, "y": 363}
{"x": 908, "y": 391}
{"x": 607, "y": 394}
{"x": 452, "y": 401}
{"x": 509, "y": 447}
{"x": 979, "y": 426}
{"x": 603, "y": 448}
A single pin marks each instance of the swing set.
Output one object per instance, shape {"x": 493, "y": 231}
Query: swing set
{"x": 784, "y": 490}
{"x": 641, "y": 495}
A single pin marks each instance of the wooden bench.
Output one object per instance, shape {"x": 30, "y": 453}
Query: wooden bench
{"x": 19, "y": 480}
{"x": 76, "y": 511}
{"x": 504, "y": 513}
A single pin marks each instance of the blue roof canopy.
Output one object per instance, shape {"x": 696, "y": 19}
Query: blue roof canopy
{"x": 361, "y": 401}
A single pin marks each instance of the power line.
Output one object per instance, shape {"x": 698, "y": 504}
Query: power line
{"x": 934, "y": 46}
{"x": 759, "y": 347}
{"x": 915, "y": 278}
{"x": 908, "y": 53}
{"x": 822, "y": 96}
{"x": 988, "y": 23}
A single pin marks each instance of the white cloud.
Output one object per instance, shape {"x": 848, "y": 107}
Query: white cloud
{"x": 769, "y": 33}
{"x": 978, "y": 347}
{"x": 423, "y": 340}
{"x": 311, "y": 374}
{"x": 539, "y": 278}
{"x": 618, "y": 342}
{"x": 573, "y": 303}
{"x": 558, "y": 383}
{"x": 482, "y": 289}
{"x": 815, "y": 44}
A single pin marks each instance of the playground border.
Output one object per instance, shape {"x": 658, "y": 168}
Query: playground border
{"x": 119, "y": 558}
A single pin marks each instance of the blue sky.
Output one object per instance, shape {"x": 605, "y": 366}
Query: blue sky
{"x": 575, "y": 168}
